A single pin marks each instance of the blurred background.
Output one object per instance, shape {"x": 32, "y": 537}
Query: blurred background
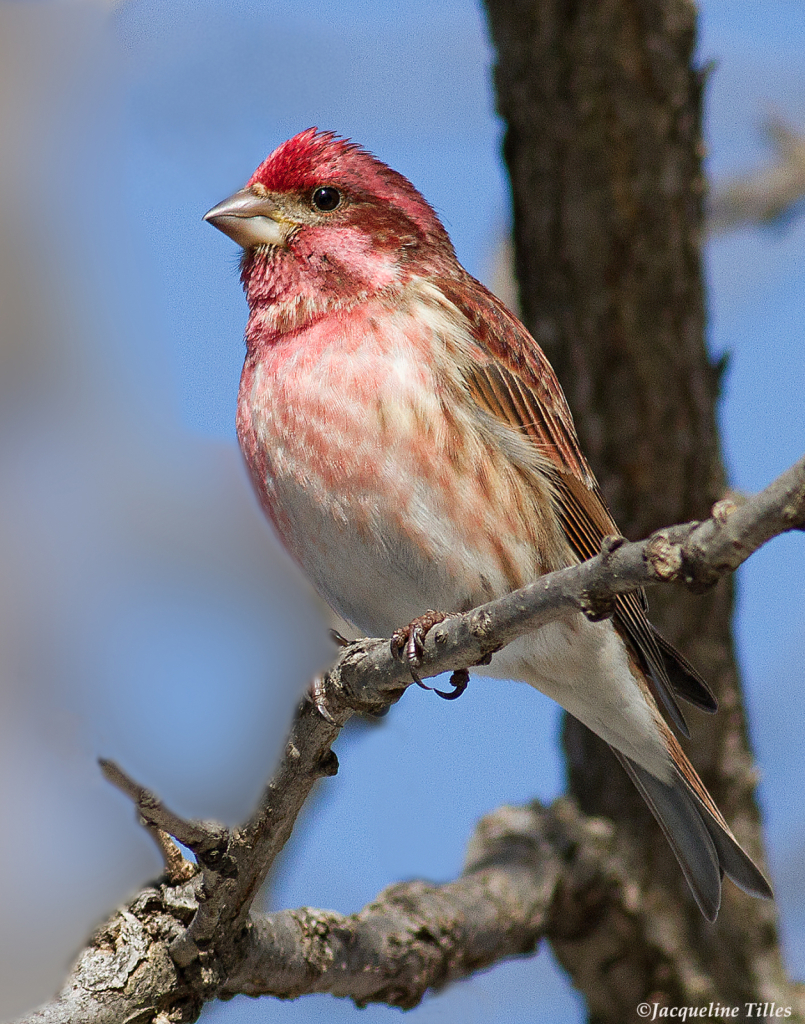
{"x": 146, "y": 613}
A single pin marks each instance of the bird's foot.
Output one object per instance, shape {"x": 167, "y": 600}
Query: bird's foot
{"x": 407, "y": 644}
{"x": 317, "y": 695}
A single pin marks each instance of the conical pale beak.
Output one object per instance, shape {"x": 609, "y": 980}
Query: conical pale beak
{"x": 249, "y": 219}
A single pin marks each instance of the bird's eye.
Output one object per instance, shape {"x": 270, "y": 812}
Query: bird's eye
{"x": 326, "y": 198}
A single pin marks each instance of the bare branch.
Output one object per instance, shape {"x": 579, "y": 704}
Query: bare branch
{"x": 768, "y": 194}
{"x": 532, "y": 873}
{"x": 525, "y": 866}
{"x": 198, "y": 836}
{"x": 694, "y": 555}
{"x": 175, "y": 947}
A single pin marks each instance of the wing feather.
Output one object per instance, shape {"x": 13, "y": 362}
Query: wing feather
{"x": 511, "y": 379}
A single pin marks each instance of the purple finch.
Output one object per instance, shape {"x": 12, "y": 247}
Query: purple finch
{"x": 413, "y": 448}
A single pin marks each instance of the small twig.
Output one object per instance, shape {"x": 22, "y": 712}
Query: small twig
{"x": 198, "y": 836}
{"x": 177, "y": 868}
{"x": 766, "y": 195}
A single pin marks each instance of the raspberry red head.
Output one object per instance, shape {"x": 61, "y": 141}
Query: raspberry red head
{"x": 314, "y": 159}
{"x": 322, "y": 219}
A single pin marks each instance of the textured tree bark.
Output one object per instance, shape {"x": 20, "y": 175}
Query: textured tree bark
{"x": 602, "y": 107}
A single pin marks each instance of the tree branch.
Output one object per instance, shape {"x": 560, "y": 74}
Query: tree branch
{"x": 766, "y": 195}
{"x": 522, "y": 863}
{"x": 694, "y": 555}
{"x": 529, "y": 873}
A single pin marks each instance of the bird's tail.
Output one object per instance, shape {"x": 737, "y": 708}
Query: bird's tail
{"x": 697, "y": 832}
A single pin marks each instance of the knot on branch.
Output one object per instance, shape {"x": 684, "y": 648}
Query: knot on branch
{"x": 481, "y": 626}
{"x": 724, "y": 508}
{"x": 217, "y": 858}
{"x": 673, "y": 559}
{"x": 346, "y": 686}
{"x": 610, "y": 544}
{"x": 599, "y": 606}
{"x": 793, "y": 511}
{"x": 664, "y": 556}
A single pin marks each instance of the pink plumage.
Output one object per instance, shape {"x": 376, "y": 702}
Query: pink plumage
{"x": 413, "y": 448}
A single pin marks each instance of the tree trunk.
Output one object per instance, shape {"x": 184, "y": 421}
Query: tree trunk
{"x": 603, "y": 141}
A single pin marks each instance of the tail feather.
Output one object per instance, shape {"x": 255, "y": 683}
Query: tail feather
{"x": 736, "y": 862}
{"x": 702, "y": 842}
{"x": 685, "y": 680}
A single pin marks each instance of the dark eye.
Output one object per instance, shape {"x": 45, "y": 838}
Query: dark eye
{"x": 326, "y": 198}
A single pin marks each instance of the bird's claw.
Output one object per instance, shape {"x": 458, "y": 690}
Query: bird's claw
{"x": 318, "y": 697}
{"x": 458, "y": 680}
{"x": 408, "y": 644}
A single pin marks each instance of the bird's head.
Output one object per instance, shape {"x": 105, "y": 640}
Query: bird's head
{"x": 323, "y": 220}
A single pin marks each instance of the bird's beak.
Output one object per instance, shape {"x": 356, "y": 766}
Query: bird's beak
{"x": 250, "y": 219}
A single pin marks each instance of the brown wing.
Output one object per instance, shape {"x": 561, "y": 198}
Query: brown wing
{"x": 513, "y": 381}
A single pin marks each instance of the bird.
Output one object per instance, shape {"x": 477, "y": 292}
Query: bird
{"x": 414, "y": 450}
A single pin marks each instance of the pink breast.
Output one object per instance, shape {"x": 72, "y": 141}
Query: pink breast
{"x": 327, "y": 408}
{"x": 360, "y": 449}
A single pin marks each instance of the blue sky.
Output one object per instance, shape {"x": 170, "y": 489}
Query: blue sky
{"x": 169, "y": 592}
